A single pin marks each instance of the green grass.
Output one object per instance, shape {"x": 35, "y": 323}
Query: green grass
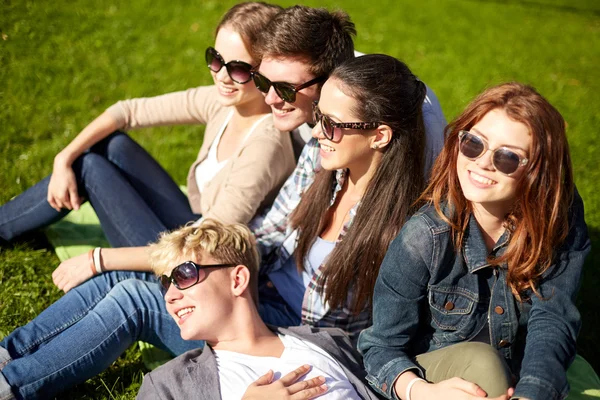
{"x": 63, "y": 62}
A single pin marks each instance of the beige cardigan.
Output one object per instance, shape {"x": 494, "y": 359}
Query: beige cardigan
{"x": 251, "y": 178}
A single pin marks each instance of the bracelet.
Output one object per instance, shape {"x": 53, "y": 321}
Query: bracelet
{"x": 97, "y": 263}
{"x": 410, "y": 385}
{"x": 91, "y": 261}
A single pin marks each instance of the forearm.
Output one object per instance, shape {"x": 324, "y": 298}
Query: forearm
{"x": 126, "y": 258}
{"x": 97, "y": 130}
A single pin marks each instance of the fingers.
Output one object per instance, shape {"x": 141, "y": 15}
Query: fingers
{"x": 74, "y": 197}
{"x": 468, "y": 387}
{"x": 308, "y": 389}
{"x": 53, "y": 203}
{"x": 296, "y": 374}
{"x": 264, "y": 380}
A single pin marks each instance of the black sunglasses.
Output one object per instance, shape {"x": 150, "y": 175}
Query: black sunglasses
{"x": 239, "y": 71}
{"x": 286, "y": 91}
{"x": 328, "y": 126}
{"x": 504, "y": 160}
{"x": 186, "y": 275}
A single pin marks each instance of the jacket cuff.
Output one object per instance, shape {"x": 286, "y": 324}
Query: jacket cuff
{"x": 533, "y": 388}
{"x": 389, "y": 373}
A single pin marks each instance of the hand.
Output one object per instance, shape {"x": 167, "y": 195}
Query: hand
{"x": 452, "y": 389}
{"x": 62, "y": 189}
{"x": 72, "y": 272}
{"x": 286, "y": 387}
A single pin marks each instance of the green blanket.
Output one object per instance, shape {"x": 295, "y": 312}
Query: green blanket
{"x": 80, "y": 231}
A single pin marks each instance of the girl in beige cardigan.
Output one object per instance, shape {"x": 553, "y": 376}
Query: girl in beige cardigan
{"x": 241, "y": 165}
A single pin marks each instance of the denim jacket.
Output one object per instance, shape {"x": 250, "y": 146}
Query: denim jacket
{"x": 427, "y": 296}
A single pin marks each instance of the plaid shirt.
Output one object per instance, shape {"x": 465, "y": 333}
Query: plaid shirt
{"x": 272, "y": 230}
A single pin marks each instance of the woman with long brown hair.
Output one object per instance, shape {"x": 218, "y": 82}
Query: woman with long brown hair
{"x": 478, "y": 290}
{"x": 371, "y": 138}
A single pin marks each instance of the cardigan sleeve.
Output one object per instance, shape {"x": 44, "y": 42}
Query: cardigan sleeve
{"x": 192, "y": 106}
{"x": 260, "y": 168}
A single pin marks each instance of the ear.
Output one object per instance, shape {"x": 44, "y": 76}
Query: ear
{"x": 240, "y": 279}
{"x": 383, "y": 136}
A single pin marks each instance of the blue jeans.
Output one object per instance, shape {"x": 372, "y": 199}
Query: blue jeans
{"x": 85, "y": 331}
{"x": 133, "y": 196}
{"x": 92, "y": 325}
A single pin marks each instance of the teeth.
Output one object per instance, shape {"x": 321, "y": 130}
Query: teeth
{"x": 185, "y": 311}
{"x": 482, "y": 179}
{"x": 280, "y": 112}
{"x": 327, "y": 148}
{"x": 226, "y": 90}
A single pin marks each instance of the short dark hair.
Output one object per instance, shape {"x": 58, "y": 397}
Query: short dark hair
{"x": 249, "y": 20}
{"x": 316, "y": 35}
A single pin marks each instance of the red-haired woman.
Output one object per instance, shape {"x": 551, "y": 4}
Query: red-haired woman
{"x": 477, "y": 292}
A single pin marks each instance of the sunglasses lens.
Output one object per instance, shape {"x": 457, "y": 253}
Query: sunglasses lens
{"x": 239, "y": 71}
{"x": 471, "y": 146}
{"x": 164, "y": 283}
{"x": 506, "y": 161}
{"x": 328, "y": 129}
{"x": 213, "y": 60}
{"x": 185, "y": 275}
{"x": 262, "y": 83}
{"x": 285, "y": 92}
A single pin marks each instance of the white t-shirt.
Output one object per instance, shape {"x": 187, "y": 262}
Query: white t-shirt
{"x": 237, "y": 371}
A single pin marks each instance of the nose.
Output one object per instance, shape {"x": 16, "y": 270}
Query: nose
{"x": 223, "y": 76}
{"x": 272, "y": 98}
{"x": 485, "y": 161}
{"x": 173, "y": 294}
{"x": 317, "y": 131}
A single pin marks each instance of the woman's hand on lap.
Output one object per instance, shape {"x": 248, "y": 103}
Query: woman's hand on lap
{"x": 451, "y": 389}
{"x": 72, "y": 272}
{"x": 62, "y": 189}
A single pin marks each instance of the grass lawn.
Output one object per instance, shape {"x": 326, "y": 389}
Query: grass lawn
{"x": 63, "y": 62}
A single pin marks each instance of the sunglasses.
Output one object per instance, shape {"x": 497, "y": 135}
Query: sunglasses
{"x": 329, "y": 127}
{"x": 186, "y": 275}
{"x": 286, "y": 91}
{"x": 239, "y": 71}
{"x": 504, "y": 160}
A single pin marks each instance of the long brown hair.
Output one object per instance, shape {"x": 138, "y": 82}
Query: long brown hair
{"x": 538, "y": 220}
{"x": 385, "y": 90}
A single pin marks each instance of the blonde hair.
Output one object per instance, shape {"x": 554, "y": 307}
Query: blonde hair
{"x": 227, "y": 244}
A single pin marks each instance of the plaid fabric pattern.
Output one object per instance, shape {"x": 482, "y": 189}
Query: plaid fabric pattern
{"x": 272, "y": 229}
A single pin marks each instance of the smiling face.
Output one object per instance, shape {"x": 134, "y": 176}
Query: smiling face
{"x": 480, "y": 182}
{"x": 353, "y": 148}
{"x": 289, "y": 116}
{"x": 231, "y": 47}
{"x": 199, "y": 311}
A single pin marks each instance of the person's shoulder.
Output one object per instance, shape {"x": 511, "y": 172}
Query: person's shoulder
{"x": 176, "y": 366}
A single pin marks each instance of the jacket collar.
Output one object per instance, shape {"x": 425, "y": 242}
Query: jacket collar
{"x": 475, "y": 251}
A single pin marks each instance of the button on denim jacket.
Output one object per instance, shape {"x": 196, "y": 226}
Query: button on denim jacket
{"x": 427, "y": 297}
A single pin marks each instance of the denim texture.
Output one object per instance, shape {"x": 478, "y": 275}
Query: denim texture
{"x": 93, "y": 324}
{"x": 86, "y": 330}
{"x": 133, "y": 196}
{"x": 428, "y": 297}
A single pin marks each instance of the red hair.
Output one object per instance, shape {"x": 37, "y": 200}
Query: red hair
{"x": 538, "y": 220}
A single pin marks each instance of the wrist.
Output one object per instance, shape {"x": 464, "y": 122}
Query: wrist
{"x": 419, "y": 390}
{"x": 415, "y": 389}
{"x": 63, "y": 160}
